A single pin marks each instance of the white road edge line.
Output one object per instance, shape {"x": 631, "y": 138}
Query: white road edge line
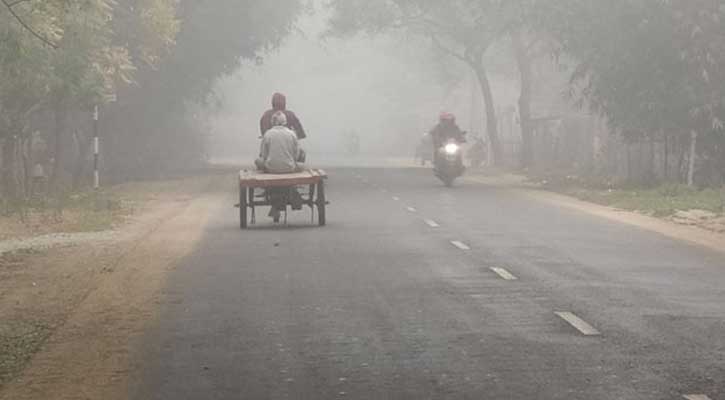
{"x": 696, "y": 397}
{"x": 396, "y": 198}
{"x": 460, "y": 245}
{"x": 503, "y": 273}
{"x": 432, "y": 223}
{"x": 578, "y": 323}
{"x": 411, "y": 209}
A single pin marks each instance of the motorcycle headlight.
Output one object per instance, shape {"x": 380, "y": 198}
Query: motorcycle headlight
{"x": 451, "y": 148}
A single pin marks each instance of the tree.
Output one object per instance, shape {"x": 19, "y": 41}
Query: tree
{"x": 529, "y": 23}
{"x": 213, "y": 39}
{"x": 155, "y": 56}
{"x": 461, "y": 29}
{"x": 68, "y": 55}
{"x": 24, "y": 80}
{"x": 650, "y": 67}
{"x": 91, "y": 63}
{"x": 45, "y": 31}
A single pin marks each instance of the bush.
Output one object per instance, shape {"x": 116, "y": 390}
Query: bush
{"x": 675, "y": 190}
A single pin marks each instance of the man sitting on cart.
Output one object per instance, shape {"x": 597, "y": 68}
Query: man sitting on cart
{"x": 280, "y": 152}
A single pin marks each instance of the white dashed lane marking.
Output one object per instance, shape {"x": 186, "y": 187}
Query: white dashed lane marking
{"x": 460, "y": 245}
{"x": 696, "y": 397}
{"x": 504, "y": 274}
{"x": 396, "y": 198}
{"x": 578, "y": 323}
{"x": 411, "y": 209}
{"x": 432, "y": 223}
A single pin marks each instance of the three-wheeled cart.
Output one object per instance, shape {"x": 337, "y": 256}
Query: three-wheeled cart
{"x": 257, "y": 189}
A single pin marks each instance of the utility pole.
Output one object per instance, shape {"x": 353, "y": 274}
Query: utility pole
{"x": 96, "y": 149}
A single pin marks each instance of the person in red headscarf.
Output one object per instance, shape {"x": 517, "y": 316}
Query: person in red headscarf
{"x": 279, "y": 103}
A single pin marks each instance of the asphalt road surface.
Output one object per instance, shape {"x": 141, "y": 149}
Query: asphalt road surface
{"x": 416, "y": 291}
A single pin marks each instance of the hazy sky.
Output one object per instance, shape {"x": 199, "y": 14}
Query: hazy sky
{"x": 388, "y": 89}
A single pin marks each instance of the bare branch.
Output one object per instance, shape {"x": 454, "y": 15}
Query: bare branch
{"x": 17, "y": 17}
{"x": 447, "y": 50}
{"x": 15, "y": 3}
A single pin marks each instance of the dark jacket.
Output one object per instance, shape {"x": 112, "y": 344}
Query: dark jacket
{"x": 279, "y": 103}
{"x": 447, "y": 130}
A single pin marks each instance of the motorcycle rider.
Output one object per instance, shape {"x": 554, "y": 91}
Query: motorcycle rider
{"x": 279, "y": 104}
{"x": 446, "y": 129}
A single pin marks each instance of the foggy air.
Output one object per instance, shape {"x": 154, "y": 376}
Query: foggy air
{"x": 362, "y": 199}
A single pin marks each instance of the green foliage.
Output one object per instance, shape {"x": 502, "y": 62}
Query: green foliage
{"x": 90, "y": 62}
{"x": 19, "y": 340}
{"x": 648, "y": 65}
{"x": 24, "y": 70}
{"x": 214, "y": 39}
{"x": 662, "y": 201}
{"x": 154, "y": 56}
{"x": 675, "y": 190}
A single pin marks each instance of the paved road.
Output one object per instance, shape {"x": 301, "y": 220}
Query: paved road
{"x": 396, "y": 299}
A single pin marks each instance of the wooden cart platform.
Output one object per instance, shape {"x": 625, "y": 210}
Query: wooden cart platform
{"x": 250, "y": 198}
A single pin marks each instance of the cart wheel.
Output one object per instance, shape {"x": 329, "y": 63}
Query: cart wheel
{"x": 321, "y": 203}
{"x": 243, "y": 207}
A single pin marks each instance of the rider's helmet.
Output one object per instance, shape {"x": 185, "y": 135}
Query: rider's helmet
{"x": 446, "y": 116}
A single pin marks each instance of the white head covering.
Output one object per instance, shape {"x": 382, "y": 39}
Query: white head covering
{"x": 279, "y": 119}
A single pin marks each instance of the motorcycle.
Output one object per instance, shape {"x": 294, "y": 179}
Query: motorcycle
{"x": 449, "y": 162}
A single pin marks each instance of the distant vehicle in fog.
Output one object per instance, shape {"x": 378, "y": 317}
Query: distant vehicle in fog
{"x": 448, "y": 139}
{"x": 352, "y": 143}
{"x": 424, "y": 150}
{"x": 477, "y": 154}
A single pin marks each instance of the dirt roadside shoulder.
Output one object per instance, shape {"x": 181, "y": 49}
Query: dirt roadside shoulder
{"x": 82, "y": 307}
{"x": 692, "y": 234}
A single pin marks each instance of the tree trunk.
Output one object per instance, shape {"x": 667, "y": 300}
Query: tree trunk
{"x": 491, "y": 122}
{"x": 8, "y": 169}
{"x": 27, "y": 167}
{"x": 82, "y": 149}
{"x": 59, "y": 122}
{"x": 652, "y": 160}
{"x": 666, "y": 162}
{"x": 680, "y": 161}
{"x": 691, "y": 161}
{"x": 629, "y": 162}
{"x": 523, "y": 61}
